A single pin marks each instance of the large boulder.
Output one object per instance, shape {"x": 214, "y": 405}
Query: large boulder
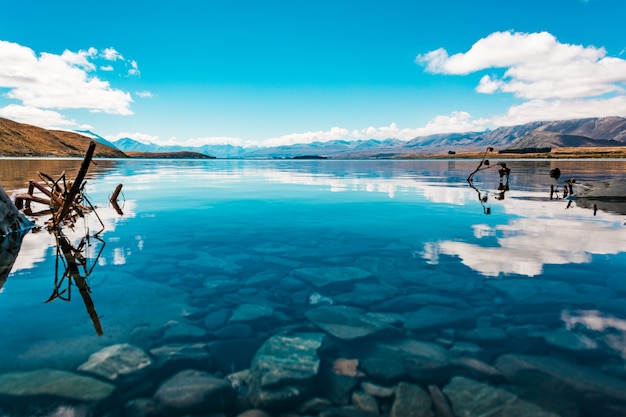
{"x": 283, "y": 371}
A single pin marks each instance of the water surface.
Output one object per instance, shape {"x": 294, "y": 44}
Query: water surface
{"x": 196, "y": 237}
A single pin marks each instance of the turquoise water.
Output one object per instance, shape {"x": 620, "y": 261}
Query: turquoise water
{"x": 534, "y": 276}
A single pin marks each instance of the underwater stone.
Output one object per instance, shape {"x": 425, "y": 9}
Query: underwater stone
{"x": 384, "y": 370}
{"x": 569, "y": 341}
{"x": 250, "y": 313}
{"x": 176, "y": 357}
{"x": 179, "y": 332}
{"x": 347, "y": 323}
{"x": 217, "y": 319}
{"x": 365, "y": 402}
{"x": 436, "y": 317}
{"x": 324, "y": 278}
{"x": 118, "y": 362}
{"x": 411, "y": 401}
{"x": 473, "y": 398}
{"x": 556, "y": 375}
{"x": 50, "y": 383}
{"x": 191, "y": 392}
{"x": 283, "y": 371}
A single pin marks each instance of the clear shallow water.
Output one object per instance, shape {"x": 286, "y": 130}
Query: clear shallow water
{"x": 202, "y": 236}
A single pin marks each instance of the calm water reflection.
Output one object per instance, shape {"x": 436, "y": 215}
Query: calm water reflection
{"x": 201, "y": 236}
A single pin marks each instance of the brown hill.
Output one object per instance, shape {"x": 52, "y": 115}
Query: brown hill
{"x": 546, "y": 139}
{"x": 19, "y": 139}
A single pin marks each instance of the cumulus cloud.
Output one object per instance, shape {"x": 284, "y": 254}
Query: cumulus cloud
{"x": 536, "y": 66}
{"x": 48, "y": 119}
{"x": 134, "y": 68}
{"x": 49, "y": 81}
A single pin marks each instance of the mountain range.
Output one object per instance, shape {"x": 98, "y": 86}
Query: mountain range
{"x": 591, "y": 132}
{"x": 18, "y": 139}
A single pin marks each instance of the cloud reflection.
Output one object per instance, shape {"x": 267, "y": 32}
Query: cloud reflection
{"x": 544, "y": 233}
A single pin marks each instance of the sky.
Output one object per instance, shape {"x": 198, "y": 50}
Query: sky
{"x": 268, "y": 73}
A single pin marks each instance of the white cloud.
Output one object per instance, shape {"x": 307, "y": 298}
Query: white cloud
{"x": 110, "y": 54}
{"x": 537, "y": 66}
{"x": 144, "y": 94}
{"x": 107, "y": 68}
{"x": 134, "y": 68}
{"x": 48, "y": 119}
{"x": 50, "y": 81}
{"x": 561, "y": 110}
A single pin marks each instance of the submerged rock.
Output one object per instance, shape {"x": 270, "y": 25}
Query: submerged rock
{"x": 250, "y": 313}
{"x": 437, "y": 317}
{"x": 347, "y": 323}
{"x": 411, "y": 401}
{"x": 324, "y": 278}
{"x": 559, "y": 376}
{"x": 283, "y": 370}
{"x": 177, "y": 357}
{"x": 46, "y": 384}
{"x": 422, "y": 360}
{"x": 117, "y": 363}
{"x": 191, "y": 392}
{"x": 472, "y": 398}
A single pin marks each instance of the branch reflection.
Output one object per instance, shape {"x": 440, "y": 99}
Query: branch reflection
{"x": 76, "y": 267}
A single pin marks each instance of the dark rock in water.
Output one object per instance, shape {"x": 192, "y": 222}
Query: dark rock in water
{"x": 179, "y": 332}
{"x": 333, "y": 277}
{"x": 365, "y": 294}
{"x": 386, "y": 371}
{"x": 235, "y": 331}
{"x": 254, "y": 413}
{"x": 378, "y": 391}
{"x": 549, "y": 401}
{"x": 48, "y": 384}
{"x": 119, "y": 363}
{"x": 283, "y": 371}
{"x": 191, "y": 392}
{"x": 423, "y": 361}
{"x": 314, "y": 406}
{"x": 250, "y": 313}
{"x": 171, "y": 359}
{"x": 569, "y": 341}
{"x": 539, "y": 295}
{"x": 233, "y": 354}
{"x": 347, "y": 411}
{"x": 486, "y": 335}
{"x": 473, "y": 398}
{"x": 475, "y": 368}
{"x": 365, "y": 402}
{"x": 335, "y": 385}
{"x": 217, "y": 319}
{"x": 347, "y": 323}
{"x": 411, "y": 401}
{"x": 139, "y": 407}
{"x": 409, "y": 302}
{"x": 437, "y": 317}
{"x": 561, "y": 377}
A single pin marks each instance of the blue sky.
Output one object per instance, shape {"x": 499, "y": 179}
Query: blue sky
{"x": 280, "y": 72}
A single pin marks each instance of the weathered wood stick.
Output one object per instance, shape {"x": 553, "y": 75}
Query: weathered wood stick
{"x": 71, "y": 195}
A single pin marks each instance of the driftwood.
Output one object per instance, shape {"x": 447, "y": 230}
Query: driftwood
{"x": 503, "y": 185}
{"x": 63, "y": 199}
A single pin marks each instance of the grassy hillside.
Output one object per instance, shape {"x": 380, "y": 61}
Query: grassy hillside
{"x": 19, "y": 139}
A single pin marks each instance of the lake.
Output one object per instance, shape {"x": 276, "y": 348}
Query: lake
{"x": 319, "y": 287}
